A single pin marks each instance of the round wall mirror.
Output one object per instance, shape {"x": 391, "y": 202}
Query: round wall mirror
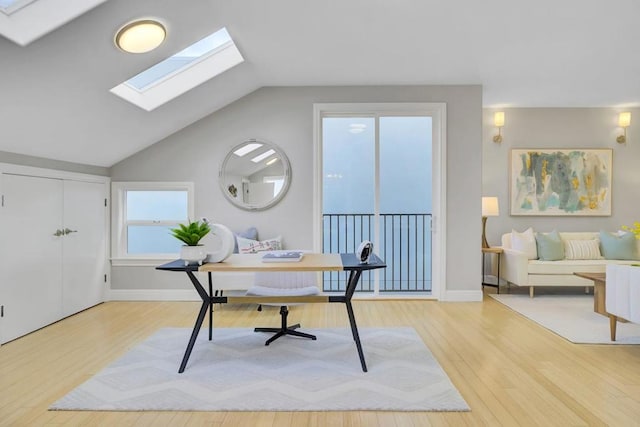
{"x": 255, "y": 175}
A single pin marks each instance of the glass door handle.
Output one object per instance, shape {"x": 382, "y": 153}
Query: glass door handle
{"x": 68, "y": 231}
{"x": 58, "y": 233}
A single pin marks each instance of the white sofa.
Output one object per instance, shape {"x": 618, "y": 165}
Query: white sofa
{"x": 517, "y": 269}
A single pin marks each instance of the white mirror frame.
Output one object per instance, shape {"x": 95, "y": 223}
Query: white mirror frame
{"x": 256, "y": 207}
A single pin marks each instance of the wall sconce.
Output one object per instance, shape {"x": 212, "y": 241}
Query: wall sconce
{"x": 498, "y": 121}
{"x": 624, "y": 120}
{"x": 490, "y": 207}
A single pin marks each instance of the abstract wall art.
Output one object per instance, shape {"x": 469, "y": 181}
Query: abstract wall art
{"x": 573, "y": 182}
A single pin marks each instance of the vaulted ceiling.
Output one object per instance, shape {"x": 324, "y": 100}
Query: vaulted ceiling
{"x": 54, "y": 91}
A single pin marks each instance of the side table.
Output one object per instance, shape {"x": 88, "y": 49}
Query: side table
{"x": 494, "y": 251}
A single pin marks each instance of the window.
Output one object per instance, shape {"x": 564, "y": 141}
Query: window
{"x": 10, "y": 6}
{"x": 143, "y": 213}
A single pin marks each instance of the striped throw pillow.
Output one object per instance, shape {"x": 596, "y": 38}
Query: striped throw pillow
{"x": 582, "y": 249}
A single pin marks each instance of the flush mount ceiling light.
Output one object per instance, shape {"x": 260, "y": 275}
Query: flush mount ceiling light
{"x": 140, "y": 36}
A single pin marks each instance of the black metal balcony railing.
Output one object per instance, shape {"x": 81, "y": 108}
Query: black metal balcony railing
{"x": 405, "y": 245}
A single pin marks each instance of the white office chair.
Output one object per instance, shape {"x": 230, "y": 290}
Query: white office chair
{"x": 276, "y": 283}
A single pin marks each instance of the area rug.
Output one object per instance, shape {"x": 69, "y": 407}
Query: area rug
{"x": 570, "y": 316}
{"x": 237, "y": 372}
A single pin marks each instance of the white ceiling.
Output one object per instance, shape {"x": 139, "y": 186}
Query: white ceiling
{"x": 54, "y": 92}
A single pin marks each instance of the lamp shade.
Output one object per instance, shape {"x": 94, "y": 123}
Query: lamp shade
{"x": 624, "y": 119}
{"x": 140, "y": 36}
{"x": 490, "y": 206}
{"x": 498, "y": 119}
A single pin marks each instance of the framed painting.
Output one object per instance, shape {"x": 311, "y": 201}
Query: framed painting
{"x": 556, "y": 182}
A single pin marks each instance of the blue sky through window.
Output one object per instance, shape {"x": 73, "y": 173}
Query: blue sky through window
{"x": 157, "y": 205}
{"x": 152, "y": 206}
{"x": 12, "y": 5}
{"x": 186, "y": 57}
{"x": 405, "y": 164}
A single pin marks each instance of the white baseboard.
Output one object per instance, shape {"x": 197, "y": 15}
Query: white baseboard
{"x": 153, "y": 295}
{"x": 462, "y": 296}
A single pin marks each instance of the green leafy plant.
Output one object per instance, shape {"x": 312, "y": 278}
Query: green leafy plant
{"x": 635, "y": 229}
{"x": 191, "y": 233}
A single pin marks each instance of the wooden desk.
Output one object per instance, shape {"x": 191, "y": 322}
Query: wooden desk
{"x": 599, "y": 291}
{"x": 252, "y": 263}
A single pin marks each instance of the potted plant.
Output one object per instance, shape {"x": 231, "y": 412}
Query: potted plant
{"x": 635, "y": 229}
{"x": 192, "y": 252}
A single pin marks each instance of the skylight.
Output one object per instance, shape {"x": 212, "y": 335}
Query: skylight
{"x": 10, "y": 6}
{"x": 181, "y": 72}
{"x": 263, "y": 156}
{"x": 245, "y": 149}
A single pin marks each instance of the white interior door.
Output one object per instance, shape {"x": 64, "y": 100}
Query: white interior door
{"x": 30, "y": 254}
{"x": 84, "y": 245}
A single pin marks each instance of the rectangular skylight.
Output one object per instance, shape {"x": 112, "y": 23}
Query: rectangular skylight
{"x": 260, "y": 157}
{"x": 181, "y": 72}
{"x": 245, "y": 149}
{"x": 181, "y": 60}
{"x": 10, "y": 6}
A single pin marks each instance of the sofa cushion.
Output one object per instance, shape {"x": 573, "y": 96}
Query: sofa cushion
{"x": 249, "y": 233}
{"x": 525, "y": 242}
{"x": 578, "y": 235}
{"x": 618, "y": 246}
{"x": 582, "y": 249}
{"x": 550, "y": 246}
{"x": 567, "y": 266}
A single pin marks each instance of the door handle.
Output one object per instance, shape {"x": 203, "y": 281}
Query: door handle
{"x": 68, "y": 231}
{"x": 58, "y": 233}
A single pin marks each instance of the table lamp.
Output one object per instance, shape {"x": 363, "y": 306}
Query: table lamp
{"x": 489, "y": 208}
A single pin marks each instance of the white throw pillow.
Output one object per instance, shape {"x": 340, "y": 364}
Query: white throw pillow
{"x": 248, "y": 246}
{"x": 582, "y": 249}
{"x": 525, "y": 242}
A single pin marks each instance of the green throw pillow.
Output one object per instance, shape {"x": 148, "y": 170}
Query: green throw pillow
{"x": 550, "y": 247}
{"x": 615, "y": 246}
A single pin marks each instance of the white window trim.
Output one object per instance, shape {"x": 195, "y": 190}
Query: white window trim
{"x": 119, "y": 256}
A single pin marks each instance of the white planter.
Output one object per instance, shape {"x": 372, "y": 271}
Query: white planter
{"x": 193, "y": 254}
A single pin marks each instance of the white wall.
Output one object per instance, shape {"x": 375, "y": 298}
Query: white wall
{"x": 284, "y": 115}
{"x": 561, "y": 128}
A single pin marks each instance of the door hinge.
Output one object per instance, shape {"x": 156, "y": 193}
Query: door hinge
{"x": 1, "y": 310}
{"x": 105, "y": 203}
{"x": 105, "y": 278}
{"x": 3, "y": 200}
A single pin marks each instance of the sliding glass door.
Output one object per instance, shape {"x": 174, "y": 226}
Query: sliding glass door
{"x": 377, "y": 185}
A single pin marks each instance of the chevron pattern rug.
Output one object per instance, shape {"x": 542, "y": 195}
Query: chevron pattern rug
{"x": 237, "y": 372}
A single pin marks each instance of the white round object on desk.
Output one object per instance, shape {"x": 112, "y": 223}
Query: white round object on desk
{"x": 220, "y": 243}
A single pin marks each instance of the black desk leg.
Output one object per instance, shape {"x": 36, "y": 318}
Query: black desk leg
{"x": 194, "y": 334}
{"x": 210, "y": 308}
{"x": 356, "y": 336}
{"x": 206, "y": 305}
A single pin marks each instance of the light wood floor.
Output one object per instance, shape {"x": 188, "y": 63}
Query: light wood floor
{"x": 510, "y": 371}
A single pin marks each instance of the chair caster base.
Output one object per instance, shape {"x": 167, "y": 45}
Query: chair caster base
{"x": 284, "y": 329}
